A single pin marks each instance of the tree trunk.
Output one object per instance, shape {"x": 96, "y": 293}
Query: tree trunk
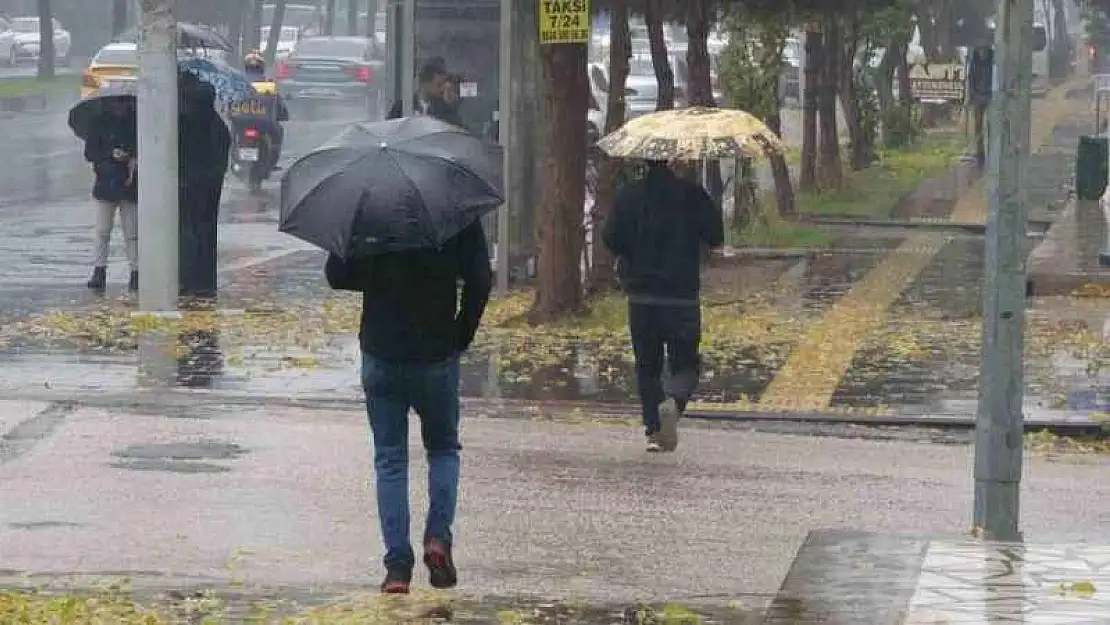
{"x": 235, "y": 29}
{"x": 699, "y": 19}
{"x": 329, "y": 18}
{"x": 927, "y": 30}
{"x": 884, "y": 89}
{"x": 945, "y": 32}
{"x": 660, "y": 58}
{"x": 770, "y": 40}
{"x": 254, "y": 27}
{"x": 859, "y": 134}
{"x": 119, "y": 17}
{"x": 46, "y": 40}
{"x": 902, "y": 65}
{"x": 566, "y": 89}
{"x": 275, "y": 31}
{"x": 372, "y": 19}
{"x": 602, "y": 272}
{"x": 807, "y": 177}
{"x": 829, "y": 168}
{"x": 700, "y": 15}
{"x": 352, "y": 18}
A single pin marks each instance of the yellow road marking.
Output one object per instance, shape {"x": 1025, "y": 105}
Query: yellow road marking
{"x": 814, "y": 368}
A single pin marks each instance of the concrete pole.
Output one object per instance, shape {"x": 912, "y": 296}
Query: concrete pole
{"x": 157, "y": 128}
{"x": 999, "y": 422}
{"x": 504, "y": 128}
{"x": 408, "y": 55}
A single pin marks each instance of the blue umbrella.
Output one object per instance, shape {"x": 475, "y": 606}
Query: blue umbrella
{"x": 231, "y": 84}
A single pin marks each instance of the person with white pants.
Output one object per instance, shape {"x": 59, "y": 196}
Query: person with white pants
{"x": 105, "y": 223}
{"x": 110, "y": 148}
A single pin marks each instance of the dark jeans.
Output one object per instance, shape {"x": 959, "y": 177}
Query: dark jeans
{"x": 665, "y": 341}
{"x": 432, "y": 390}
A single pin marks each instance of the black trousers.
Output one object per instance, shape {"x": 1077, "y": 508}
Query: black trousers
{"x": 197, "y": 229}
{"x": 665, "y": 340}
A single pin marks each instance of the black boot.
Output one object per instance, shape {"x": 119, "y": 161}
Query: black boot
{"x": 99, "y": 279}
{"x": 133, "y": 282}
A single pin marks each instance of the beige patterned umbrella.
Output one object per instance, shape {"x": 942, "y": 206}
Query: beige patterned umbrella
{"x": 692, "y": 134}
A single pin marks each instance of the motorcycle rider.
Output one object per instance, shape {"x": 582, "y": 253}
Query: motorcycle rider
{"x": 254, "y": 66}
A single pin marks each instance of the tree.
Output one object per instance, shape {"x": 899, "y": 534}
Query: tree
{"x": 660, "y": 57}
{"x": 830, "y": 173}
{"x": 565, "y": 87}
{"x": 814, "y": 46}
{"x": 352, "y": 18}
{"x": 602, "y": 277}
{"x": 253, "y": 36}
{"x": 46, "y": 40}
{"x": 119, "y": 17}
{"x": 371, "y": 18}
{"x": 329, "y": 18}
{"x": 274, "y": 35}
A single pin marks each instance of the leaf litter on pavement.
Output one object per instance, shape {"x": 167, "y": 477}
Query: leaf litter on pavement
{"x": 744, "y": 342}
{"x": 117, "y": 606}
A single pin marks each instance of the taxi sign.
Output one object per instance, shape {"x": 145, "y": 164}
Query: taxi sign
{"x": 564, "y": 21}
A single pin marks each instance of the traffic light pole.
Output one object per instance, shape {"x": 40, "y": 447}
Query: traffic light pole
{"x": 999, "y": 422}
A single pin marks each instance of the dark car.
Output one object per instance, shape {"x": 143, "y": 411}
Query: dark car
{"x": 347, "y": 69}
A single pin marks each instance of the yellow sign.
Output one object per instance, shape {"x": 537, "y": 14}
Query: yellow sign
{"x": 564, "y": 21}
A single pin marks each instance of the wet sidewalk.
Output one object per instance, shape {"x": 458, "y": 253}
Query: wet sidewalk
{"x": 274, "y": 501}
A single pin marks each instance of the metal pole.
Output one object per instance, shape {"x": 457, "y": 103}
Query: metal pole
{"x": 504, "y": 116}
{"x": 999, "y": 422}
{"x": 408, "y": 56}
{"x": 157, "y": 129}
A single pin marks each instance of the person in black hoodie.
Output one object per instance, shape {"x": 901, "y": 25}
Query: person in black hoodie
{"x": 111, "y": 149}
{"x": 658, "y": 230}
{"x": 414, "y": 327}
{"x": 204, "y": 142}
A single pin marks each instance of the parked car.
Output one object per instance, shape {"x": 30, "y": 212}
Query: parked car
{"x": 334, "y": 68}
{"x": 114, "y": 63}
{"x": 20, "y": 41}
{"x": 287, "y": 39}
{"x": 641, "y": 90}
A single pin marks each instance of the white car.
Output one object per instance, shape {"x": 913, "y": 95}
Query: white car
{"x": 21, "y": 41}
{"x": 287, "y": 39}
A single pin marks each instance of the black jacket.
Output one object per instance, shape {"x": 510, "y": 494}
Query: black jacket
{"x": 203, "y": 141}
{"x": 437, "y": 107}
{"x": 411, "y": 310}
{"x": 658, "y": 229}
{"x": 107, "y": 133}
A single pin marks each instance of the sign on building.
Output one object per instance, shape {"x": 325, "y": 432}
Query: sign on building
{"x": 938, "y": 84}
{"x": 564, "y": 21}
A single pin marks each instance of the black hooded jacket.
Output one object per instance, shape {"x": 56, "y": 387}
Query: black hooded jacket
{"x": 107, "y": 133}
{"x": 203, "y": 139}
{"x": 658, "y": 229}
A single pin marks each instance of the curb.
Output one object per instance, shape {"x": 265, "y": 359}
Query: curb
{"x": 165, "y": 398}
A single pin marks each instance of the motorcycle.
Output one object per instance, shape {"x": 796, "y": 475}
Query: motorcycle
{"x": 252, "y": 156}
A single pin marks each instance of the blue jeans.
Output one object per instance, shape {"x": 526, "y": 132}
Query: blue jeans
{"x": 432, "y": 390}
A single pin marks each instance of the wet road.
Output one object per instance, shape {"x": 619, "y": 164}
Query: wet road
{"x": 276, "y": 497}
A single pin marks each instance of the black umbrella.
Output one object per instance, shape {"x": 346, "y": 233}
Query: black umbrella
{"x": 84, "y": 113}
{"x": 388, "y": 186}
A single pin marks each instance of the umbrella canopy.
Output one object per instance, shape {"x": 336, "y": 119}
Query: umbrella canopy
{"x": 692, "y": 134}
{"x": 231, "y": 84}
{"x": 83, "y": 114}
{"x": 189, "y": 35}
{"x": 381, "y": 187}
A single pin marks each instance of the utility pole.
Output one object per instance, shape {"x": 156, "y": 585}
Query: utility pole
{"x": 999, "y": 422}
{"x": 157, "y": 129}
{"x": 504, "y": 129}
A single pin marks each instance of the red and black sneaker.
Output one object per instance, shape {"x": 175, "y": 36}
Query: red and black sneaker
{"x": 441, "y": 566}
{"x": 397, "y": 581}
